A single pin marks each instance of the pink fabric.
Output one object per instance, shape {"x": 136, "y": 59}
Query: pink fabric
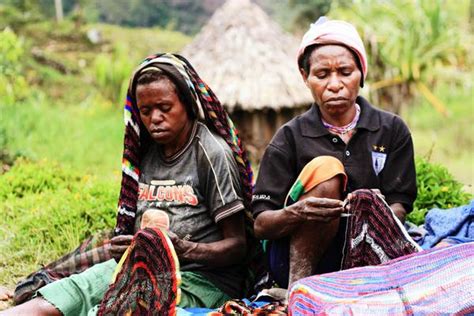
{"x": 326, "y": 31}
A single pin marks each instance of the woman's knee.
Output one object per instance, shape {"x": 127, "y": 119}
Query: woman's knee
{"x": 331, "y": 188}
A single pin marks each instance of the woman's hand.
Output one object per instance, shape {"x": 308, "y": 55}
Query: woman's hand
{"x": 350, "y": 196}
{"x": 181, "y": 246}
{"x": 274, "y": 224}
{"x": 119, "y": 244}
{"x": 230, "y": 250}
{"x": 398, "y": 208}
{"x": 316, "y": 209}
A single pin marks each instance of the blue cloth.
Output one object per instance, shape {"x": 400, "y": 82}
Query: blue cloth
{"x": 198, "y": 311}
{"x": 417, "y": 233}
{"x": 455, "y": 223}
{"x": 194, "y": 311}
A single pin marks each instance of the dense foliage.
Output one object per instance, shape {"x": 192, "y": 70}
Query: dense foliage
{"x": 437, "y": 188}
{"x": 307, "y": 11}
{"x": 112, "y": 73}
{"x": 187, "y": 15}
{"x": 412, "y": 46}
{"x": 13, "y": 85}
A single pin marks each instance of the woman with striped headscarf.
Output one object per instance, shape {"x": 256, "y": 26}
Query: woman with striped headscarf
{"x": 183, "y": 160}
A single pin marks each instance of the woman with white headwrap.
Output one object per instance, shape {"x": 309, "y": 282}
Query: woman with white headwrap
{"x": 340, "y": 145}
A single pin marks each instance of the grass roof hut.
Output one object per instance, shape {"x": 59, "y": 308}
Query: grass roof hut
{"x": 250, "y": 63}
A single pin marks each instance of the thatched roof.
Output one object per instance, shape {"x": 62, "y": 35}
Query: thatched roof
{"x": 247, "y": 59}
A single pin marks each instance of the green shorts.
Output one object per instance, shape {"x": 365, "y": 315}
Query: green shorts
{"x": 80, "y": 293}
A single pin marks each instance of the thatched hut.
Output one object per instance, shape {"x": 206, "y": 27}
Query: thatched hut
{"x": 250, "y": 63}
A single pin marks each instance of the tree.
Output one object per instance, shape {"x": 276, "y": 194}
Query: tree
{"x": 308, "y": 11}
{"x": 58, "y": 5}
{"x": 409, "y": 43}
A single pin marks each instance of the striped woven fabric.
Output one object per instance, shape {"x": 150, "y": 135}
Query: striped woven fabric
{"x": 148, "y": 281}
{"x": 374, "y": 235}
{"x": 439, "y": 281}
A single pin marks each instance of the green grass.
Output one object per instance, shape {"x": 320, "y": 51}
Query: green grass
{"x": 446, "y": 140}
{"x": 69, "y": 186}
{"x": 87, "y": 136}
{"x": 47, "y": 210}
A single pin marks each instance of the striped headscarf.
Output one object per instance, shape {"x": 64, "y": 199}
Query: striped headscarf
{"x": 208, "y": 110}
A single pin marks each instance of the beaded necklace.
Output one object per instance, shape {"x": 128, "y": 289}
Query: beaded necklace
{"x": 346, "y": 131}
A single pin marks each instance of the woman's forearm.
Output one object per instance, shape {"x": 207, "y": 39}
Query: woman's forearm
{"x": 230, "y": 250}
{"x": 220, "y": 253}
{"x": 274, "y": 224}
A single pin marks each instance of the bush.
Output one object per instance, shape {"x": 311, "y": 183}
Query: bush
{"x": 47, "y": 210}
{"x": 7, "y": 157}
{"x": 436, "y": 188}
{"x": 16, "y": 17}
{"x": 113, "y": 72}
{"x": 12, "y": 82}
{"x": 28, "y": 178}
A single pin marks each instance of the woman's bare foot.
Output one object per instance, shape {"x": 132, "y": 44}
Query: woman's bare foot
{"x": 5, "y": 293}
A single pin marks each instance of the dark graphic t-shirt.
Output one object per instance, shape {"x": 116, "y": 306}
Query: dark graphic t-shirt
{"x": 198, "y": 187}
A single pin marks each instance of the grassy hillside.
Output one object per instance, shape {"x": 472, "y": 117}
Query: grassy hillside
{"x": 143, "y": 41}
{"x": 68, "y": 116}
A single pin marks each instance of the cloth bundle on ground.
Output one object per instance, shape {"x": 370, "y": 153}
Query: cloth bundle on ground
{"x": 439, "y": 281}
{"x": 245, "y": 307}
{"x": 445, "y": 227}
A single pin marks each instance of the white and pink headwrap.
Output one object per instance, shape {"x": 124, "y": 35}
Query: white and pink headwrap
{"x": 325, "y": 31}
